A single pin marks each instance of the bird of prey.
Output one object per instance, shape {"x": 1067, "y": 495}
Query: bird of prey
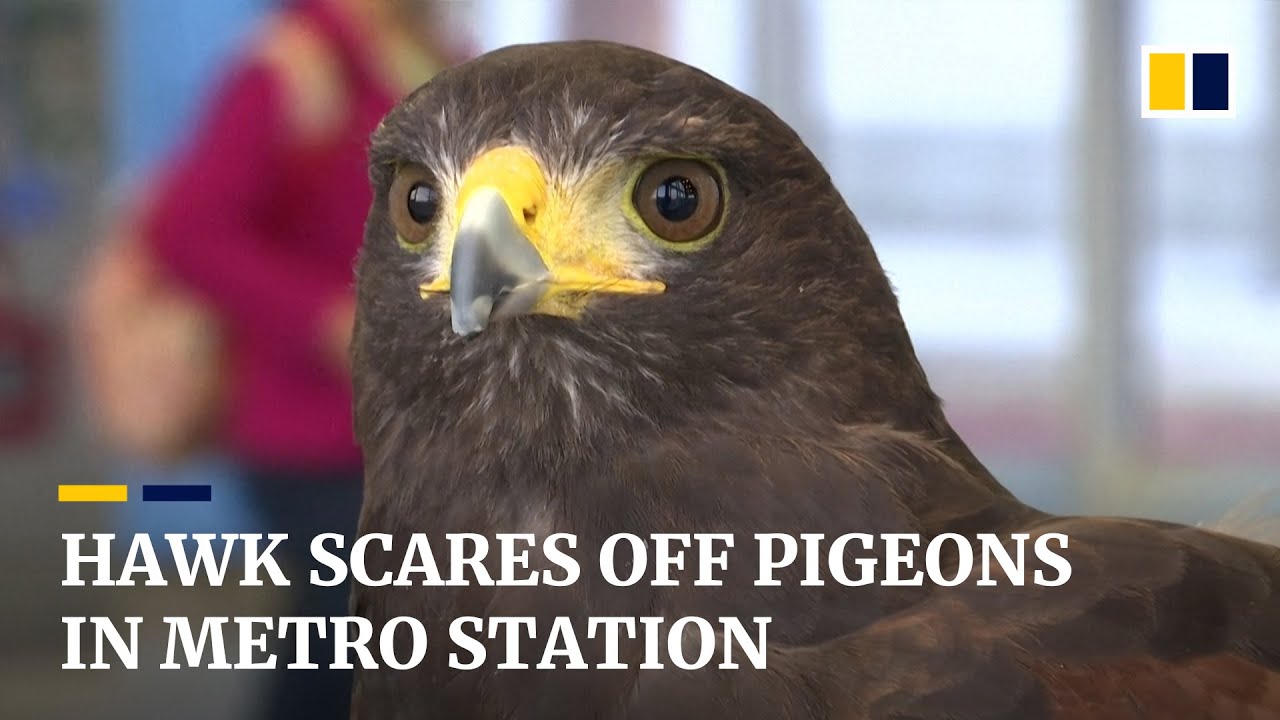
{"x": 603, "y": 292}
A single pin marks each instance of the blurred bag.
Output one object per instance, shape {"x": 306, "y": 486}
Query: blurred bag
{"x": 151, "y": 354}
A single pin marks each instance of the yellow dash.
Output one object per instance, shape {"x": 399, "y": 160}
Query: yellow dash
{"x": 93, "y": 493}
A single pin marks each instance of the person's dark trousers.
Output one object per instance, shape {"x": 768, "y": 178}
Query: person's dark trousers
{"x": 305, "y": 505}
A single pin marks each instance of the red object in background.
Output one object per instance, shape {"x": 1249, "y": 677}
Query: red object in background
{"x": 25, "y": 378}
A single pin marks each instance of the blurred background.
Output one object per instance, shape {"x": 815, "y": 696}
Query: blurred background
{"x": 1095, "y": 296}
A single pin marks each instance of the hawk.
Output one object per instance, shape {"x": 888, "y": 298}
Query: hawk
{"x": 602, "y": 292}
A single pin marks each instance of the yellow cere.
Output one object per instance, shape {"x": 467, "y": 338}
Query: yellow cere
{"x": 568, "y": 227}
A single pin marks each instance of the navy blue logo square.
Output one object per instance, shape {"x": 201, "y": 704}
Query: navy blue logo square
{"x": 1210, "y": 81}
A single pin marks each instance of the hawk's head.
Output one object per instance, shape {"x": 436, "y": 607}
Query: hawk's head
{"x": 576, "y": 240}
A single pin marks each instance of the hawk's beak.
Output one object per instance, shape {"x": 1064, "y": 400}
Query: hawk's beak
{"x": 517, "y": 250}
{"x": 495, "y": 270}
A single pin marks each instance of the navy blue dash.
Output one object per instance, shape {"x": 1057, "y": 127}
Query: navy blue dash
{"x": 177, "y": 493}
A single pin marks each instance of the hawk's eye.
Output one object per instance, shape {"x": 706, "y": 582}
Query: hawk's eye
{"x": 422, "y": 203}
{"x": 679, "y": 199}
{"x": 413, "y": 202}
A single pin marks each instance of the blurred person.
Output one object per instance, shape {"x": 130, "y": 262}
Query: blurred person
{"x": 259, "y": 216}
